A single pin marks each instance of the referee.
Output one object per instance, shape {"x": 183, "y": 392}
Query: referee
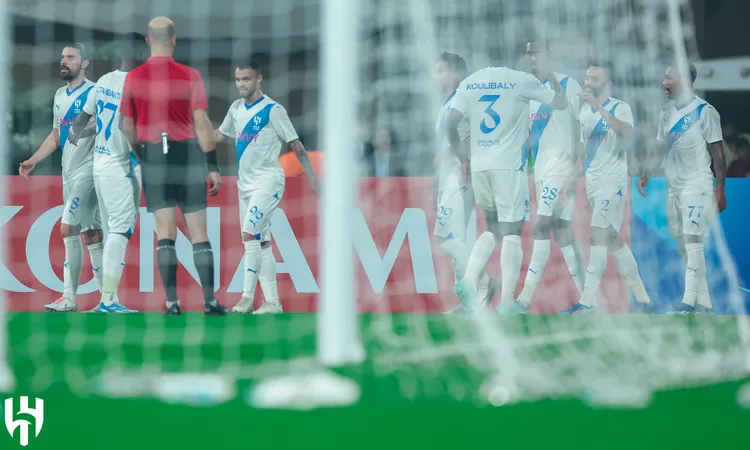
{"x": 163, "y": 108}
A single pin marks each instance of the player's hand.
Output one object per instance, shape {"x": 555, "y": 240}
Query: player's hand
{"x": 642, "y": 183}
{"x": 589, "y": 98}
{"x": 314, "y": 183}
{"x": 73, "y": 138}
{"x": 721, "y": 198}
{"x": 25, "y": 168}
{"x": 214, "y": 182}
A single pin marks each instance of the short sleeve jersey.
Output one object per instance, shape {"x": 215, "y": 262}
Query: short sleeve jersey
{"x": 606, "y": 161}
{"x": 76, "y": 159}
{"x": 685, "y": 131}
{"x": 496, "y": 102}
{"x": 554, "y": 134}
{"x": 112, "y": 154}
{"x": 260, "y": 130}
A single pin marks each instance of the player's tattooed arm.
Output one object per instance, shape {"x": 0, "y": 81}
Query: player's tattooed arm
{"x": 720, "y": 170}
{"x": 452, "y": 120}
{"x": 304, "y": 160}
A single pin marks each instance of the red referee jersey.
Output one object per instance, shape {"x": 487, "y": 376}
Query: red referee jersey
{"x": 161, "y": 96}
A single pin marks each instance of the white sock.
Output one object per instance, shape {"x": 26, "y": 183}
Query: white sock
{"x": 268, "y": 276}
{"x": 72, "y": 267}
{"x": 95, "y": 253}
{"x": 253, "y": 263}
{"x": 629, "y": 271}
{"x": 594, "y": 273}
{"x": 695, "y": 273}
{"x": 574, "y": 258}
{"x": 459, "y": 254}
{"x": 113, "y": 263}
{"x": 539, "y": 258}
{"x": 480, "y": 254}
{"x": 704, "y": 298}
{"x": 511, "y": 257}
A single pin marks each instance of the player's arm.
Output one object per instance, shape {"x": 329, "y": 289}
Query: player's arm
{"x": 50, "y": 144}
{"x": 452, "y": 119}
{"x": 560, "y": 101}
{"x": 204, "y": 131}
{"x": 552, "y": 95}
{"x": 621, "y": 122}
{"x": 83, "y": 126}
{"x": 128, "y": 116}
{"x": 226, "y": 129}
{"x": 285, "y": 130}
{"x": 711, "y": 129}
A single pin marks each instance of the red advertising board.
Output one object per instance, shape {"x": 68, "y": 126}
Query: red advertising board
{"x": 399, "y": 267}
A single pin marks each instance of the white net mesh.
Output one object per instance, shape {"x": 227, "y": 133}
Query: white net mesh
{"x": 401, "y": 271}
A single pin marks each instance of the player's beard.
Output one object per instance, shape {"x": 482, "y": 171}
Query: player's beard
{"x": 69, "y": 75}
{"x": 595, "y": 91}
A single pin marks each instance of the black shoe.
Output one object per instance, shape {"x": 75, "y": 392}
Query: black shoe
{"x": 173, "y": 310}
{"x": 683, "y": 310}
{"x": 218, "y": 310}
{"x": 642, "y": 308}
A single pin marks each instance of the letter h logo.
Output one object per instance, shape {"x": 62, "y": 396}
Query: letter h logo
{"x": 37, "y": 413}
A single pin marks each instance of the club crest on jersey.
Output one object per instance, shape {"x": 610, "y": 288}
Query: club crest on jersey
{"x": 256, "y": 121}
{"x": 78, "y": 106}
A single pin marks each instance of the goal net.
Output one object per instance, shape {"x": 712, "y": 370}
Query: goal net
{"x": 358, "y": 82}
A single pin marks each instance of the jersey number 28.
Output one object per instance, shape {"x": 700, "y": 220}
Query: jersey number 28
{"x": 100, "y": 108}
{"x": 491, "y": 114}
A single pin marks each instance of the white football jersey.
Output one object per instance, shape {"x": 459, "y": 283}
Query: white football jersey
{"x": 606, "y": 161}
{"x": 554, "y": 135}
{"x": 68, "y": 104}
{"x": 685, "y": 132}
{"x": 496, "y": 101}
{"x": 260, "y": 130}
{"x": 449, "y": 171}
{"x": 112, "y": 153}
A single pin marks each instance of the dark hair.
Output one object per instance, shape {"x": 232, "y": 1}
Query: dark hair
{"x": 608, "y": 67}
{"x": 132, "y": 46}
{"x": 537, "y": 40}
{"x": 251, "y": 63}
{"x": 81, "y": 49}
{"x": 455, "y": 63}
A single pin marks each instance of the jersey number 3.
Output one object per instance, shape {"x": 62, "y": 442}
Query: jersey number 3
{"x": 491, "y": 113}
{"x": 100, "y": 108}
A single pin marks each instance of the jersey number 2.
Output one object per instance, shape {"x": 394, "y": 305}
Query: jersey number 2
{"x": 491, "y": 113}
{"x": 100, "y": 108}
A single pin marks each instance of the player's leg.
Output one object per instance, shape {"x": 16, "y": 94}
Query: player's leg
{"x": 546, "y": 200}
{"x": 697, "y": 212}
{"x": 466, "y": 288}
{"x": 511, "y": 190}
{"x": 118, "y": 203}
{"x": 570, "y": 248}
{"x": 192, "y": 200}
{"x": 260, "y": 264}
{"x": 92, "y": 233}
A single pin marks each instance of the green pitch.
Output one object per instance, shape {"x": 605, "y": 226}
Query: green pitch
{"x": 47, "y": 349}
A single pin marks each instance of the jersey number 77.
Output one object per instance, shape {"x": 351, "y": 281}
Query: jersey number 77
{"x": 100, "y": 108}
{"x": 491, "y": 113}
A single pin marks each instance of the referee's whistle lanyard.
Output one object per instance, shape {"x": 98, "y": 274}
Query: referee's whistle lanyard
{"x": 164, "y": 143}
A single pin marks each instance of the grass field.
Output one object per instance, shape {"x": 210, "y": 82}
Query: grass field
{"x": 420, "y": 382}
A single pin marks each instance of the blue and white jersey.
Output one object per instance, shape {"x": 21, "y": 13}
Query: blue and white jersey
{"x": 554, "y": 135}
{"x": 76, "y": 159}
{"x": 606, "y": 159}
{"x": 449, "y": 170}
{"x": 496, "y": 102}
{"x": 112, "y": 153}
{"x": 260, "y": 131}
{"x": 685, "y": 131}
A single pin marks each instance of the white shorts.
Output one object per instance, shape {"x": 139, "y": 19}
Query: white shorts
{"x": 119, "y": 199}
{"x": 608, "y": 205}
{"x": 453, "y": 213}
{"x": 690, "y": 211}
{"x": 548, "y": 199}
{"x": 255, "y": 213}
{"x": 504, "y": 191}
{"x": 81, "y": 206}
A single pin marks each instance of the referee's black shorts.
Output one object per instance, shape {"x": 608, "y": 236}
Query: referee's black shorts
{"x": 175, "y": 179}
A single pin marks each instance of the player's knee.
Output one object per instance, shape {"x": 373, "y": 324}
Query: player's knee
{"x": 249, "y": 237}
{"x": 563, "y": 232}
{"x": 265, "y": 244}
{"x": 91, "y": 237}
{"x": 542, "y": 227}
{"x": 69, "y": 230}
{"x": 615, "y": 244}
{"x": 599, "y": 236}
{"x": 197, "y": 236}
